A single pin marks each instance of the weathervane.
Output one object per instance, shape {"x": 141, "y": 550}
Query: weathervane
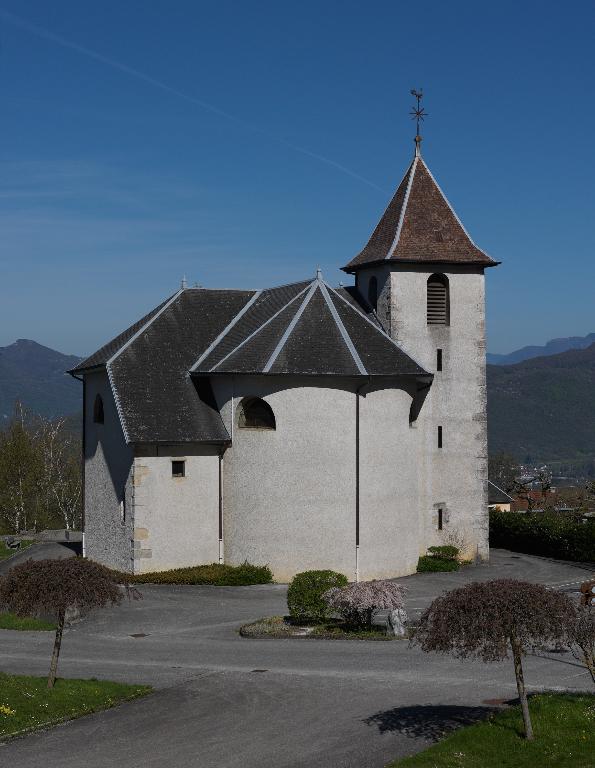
{"x": 418, "y": 114}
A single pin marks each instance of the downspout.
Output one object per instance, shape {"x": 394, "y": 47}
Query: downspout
{"x": 357, "y": 489}
{"x": 220, "y": 508}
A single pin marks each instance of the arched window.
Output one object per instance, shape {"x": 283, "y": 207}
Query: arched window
{"x": 255, "y": 413}
{"x": 98, "y": 417}
{"x": 438, "y": 300}
{"x": 373, "y": 292}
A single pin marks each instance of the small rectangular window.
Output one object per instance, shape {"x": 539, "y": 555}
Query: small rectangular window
{"x": 440, "y": 519}
{"x": 438, "y": 359}
{"x": 439, "y": 437}
{"x": 178, "y": 469}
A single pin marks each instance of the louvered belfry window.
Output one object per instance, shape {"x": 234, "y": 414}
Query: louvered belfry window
{"x": 438, "y": 309}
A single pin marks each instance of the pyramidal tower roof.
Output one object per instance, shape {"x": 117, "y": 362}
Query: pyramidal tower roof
{"x": 420, "y": 226}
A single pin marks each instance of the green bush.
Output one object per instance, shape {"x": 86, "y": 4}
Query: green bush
{"x": 431, "y": 564}
{"x": 216, "y": 574}
{"x": 562, "y": 535}
{"x": 445, "y": 552}
{"x": 304, "y": 595}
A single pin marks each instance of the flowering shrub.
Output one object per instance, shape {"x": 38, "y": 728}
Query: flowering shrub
{"x": 305, "y": 593}
{"x": 357, "y": 602}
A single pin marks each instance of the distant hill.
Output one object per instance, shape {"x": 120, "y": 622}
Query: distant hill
{"x": 553, "y": 347}
{"x": 544, "y": 408}
{"x": 36, "y": 376}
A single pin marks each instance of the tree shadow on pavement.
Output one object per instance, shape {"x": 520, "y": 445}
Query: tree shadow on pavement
{"x": 427, "y": 722}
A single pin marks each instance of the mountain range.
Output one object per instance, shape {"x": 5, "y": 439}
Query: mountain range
{"x": 540, "y": 409}
{"x": 36, "y": 376}
{"x": 552, "y": 347}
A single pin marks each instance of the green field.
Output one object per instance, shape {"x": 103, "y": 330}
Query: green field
{"x": 564, "y": 726}
{"x": 27, "y": 704}
{"x": 24, "y": 623}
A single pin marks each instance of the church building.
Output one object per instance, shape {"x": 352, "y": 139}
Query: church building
{"x": 302, "y": 426}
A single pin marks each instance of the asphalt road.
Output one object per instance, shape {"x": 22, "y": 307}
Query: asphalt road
{"x": 227, "y": 701}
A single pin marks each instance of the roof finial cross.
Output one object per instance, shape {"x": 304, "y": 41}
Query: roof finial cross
{"x": 418, "y": 114}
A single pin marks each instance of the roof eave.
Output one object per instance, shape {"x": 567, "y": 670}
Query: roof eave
{"x": 351, "y": 269}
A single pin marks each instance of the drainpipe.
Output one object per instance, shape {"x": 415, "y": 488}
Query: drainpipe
{"x": 357, "y": 397}
{"x": 220, "y": 508}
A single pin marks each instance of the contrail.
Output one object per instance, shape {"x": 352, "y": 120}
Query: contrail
{"x": 46, "y": 34}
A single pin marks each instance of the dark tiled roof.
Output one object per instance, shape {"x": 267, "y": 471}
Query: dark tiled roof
{"x": 420, "y": 226}
{"x": 319, "y": 331}
{"x": 109, "y": 350}
{"x": 497, "y": 495}
{"x": 157, "y": 399}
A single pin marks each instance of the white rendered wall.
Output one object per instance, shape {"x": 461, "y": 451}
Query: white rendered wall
{"x": 108, "y": 463}
{"x": 176, "y": 518}
{"x": 456, "y": 475}
{"x": 290, "y": 494}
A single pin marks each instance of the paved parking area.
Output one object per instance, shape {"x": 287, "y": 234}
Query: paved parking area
{"x": 226, "y": 701}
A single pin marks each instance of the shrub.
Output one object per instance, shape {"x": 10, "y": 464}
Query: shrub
{"x": 216, "y": 574}
{"x": 445, "y": 552}
{"x": 357, "y": 602}
{"x": 431, "y": 564}
{"x": 561, "y": 535}
{"x": 305, "y": 593}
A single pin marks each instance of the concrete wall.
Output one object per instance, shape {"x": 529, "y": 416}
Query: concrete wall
{"x": 108, "y": 464}
{"x": 455, "y": 478}
{"x": 290, "y": 494}
{"x": 176, "y": 518}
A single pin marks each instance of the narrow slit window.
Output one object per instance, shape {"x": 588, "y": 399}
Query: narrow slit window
{"x": 123, "y": 510}
{"x": 178, "y": 469}
{"x": 98, "y": 416}
{"x": 439, "y": 437}
{"x": 438, "y": 306}
{"x": 438, "y": 359}
{"x": 440, "y": 519}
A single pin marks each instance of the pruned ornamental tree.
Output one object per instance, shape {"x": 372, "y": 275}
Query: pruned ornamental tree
{"x": 582, "y": 637}
{"x": 490, "y": 619}
{"x": 51, "y": 587}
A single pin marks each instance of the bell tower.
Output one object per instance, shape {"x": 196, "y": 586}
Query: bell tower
{"x": 424, "y": 276}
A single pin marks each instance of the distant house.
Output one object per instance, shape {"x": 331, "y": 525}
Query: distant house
{"x": 498, "y": 499}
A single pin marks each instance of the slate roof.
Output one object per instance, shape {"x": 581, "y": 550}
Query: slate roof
{"x": 497, "y": 496}
{"x": 306, "y": 329}
{"x": 420, "y": 226}
{"x": 159, "y": 369}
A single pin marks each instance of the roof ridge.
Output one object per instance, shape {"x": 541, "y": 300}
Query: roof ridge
{"x": 342, "y": 330}
{"x": 380, "y": 330}
{"x": 287, "y": 333}
{"x": 411, "y": 170}
{"x": 260, "y": 327}
{"x": 226, "y": 330}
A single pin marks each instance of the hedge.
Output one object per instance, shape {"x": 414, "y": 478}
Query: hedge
{"x": 216, "y": 574}
{"x": 432, "y": 564}
{"x": 304, "y": 594}
{"x": 562, "y": 535}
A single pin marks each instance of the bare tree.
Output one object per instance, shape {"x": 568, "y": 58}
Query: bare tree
{"x": 487, "y": 620}
{"x": 54, "y": 586}
{"x": 524, "y": 489}
{"x": 60, "y": 480}
{"x": 19, "y": 466}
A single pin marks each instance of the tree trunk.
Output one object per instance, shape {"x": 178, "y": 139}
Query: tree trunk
{"x": 56, "y": 651}
{"x": 520, "y": 685}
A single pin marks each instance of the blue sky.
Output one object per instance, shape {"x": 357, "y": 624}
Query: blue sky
{"x": 243, "y": 144}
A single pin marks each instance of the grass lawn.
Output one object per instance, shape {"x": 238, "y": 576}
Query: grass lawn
{"x": 6, "y": 552}
{"x": 564, "y": 726}
{"x": 27, "y": 624}
{"x": 26, "y": 704}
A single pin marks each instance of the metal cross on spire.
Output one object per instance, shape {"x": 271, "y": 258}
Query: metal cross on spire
{"x": 418, "y": 114}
